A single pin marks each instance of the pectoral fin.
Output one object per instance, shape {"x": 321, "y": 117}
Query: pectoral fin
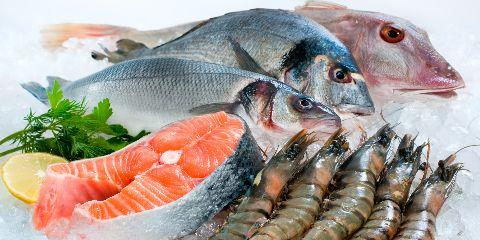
{"x": 245, "y": 60}
{"x": 213, "y": 107}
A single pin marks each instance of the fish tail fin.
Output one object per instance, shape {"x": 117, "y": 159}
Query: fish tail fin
{"x": 53, "y": 36}
{"x": 40, "y": 92}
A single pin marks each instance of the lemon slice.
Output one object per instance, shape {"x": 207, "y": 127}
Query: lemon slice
{"x": 23, "y": 174}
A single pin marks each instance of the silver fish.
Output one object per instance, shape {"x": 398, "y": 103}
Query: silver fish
{"x": 288, "y": 46}
{"x": 148, "y": 93}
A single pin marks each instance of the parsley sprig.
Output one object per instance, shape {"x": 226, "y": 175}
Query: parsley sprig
{"x": 67, "y": 130}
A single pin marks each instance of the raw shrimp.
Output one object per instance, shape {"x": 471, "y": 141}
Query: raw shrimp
{"x": 392, "y": 193}
{"x": 427, "y": 200}
{"x": 257, "y": 207}
{"x": 349, "y": 206}
{"x": 298, "y": 212}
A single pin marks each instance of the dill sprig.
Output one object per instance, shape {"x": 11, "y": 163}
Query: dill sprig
{"x": 67, "y": 130}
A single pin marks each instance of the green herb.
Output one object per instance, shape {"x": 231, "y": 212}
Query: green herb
{"x": 66, "y": 130}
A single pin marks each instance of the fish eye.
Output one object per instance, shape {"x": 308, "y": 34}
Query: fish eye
{"x": 339, "y": 75}
{"x": 303, "y": 104}
{"x": 392, "y": 34}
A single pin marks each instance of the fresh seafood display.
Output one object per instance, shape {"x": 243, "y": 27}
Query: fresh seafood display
{"x": 230, "y": 128}
{"x": 258, "y": 206}
{"x": 427, "y": 200}
{"x": 178, "y": 177}
{"x": 350, "y": 205}
{"x": 392, "y": 193}
{"x": 148, "y": 93}
{"x": 305, "y": 194}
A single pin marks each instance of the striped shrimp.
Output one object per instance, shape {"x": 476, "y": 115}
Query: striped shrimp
{"x": 258, "y": 206}
{"x": 298, "y": 212}
{"x": 427, "y": 200}
{"x": 350, "y": 204}
{"x": 392, "y": 193}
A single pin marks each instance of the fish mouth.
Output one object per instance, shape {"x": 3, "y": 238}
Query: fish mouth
{"x": 433, "y": 91}
{"x": 322, "y": 125}
{"x": 356, "y": 109}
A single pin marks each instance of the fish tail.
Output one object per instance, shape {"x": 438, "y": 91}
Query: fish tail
{"x": 53, "y": 36}
{"x": 40, "y": 92}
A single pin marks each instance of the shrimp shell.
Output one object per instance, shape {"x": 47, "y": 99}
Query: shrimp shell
{"x": 426, "y": 201}
{"x": 298, "y": 212}
{"x": 349, "y": 206}
{"x": 392, "y": 193}
{"x": 258, "y": 206}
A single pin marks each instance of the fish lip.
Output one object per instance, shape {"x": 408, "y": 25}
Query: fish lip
{"x": 356, "y": 109}
{"x": 430, "y": 90}
{"x": 325, "y": 124}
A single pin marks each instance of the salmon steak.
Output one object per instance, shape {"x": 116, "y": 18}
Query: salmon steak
{"x": 161, "y": 187}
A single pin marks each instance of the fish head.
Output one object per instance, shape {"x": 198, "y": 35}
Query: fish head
{"x": 327, "y": 71}
{"x": 392, "y": 52}
{"x": 280, "y": 108}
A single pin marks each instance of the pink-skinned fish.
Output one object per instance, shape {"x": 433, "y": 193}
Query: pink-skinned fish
{"x": 392, "y": 52}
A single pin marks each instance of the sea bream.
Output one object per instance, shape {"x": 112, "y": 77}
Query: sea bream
{"x": 149, "y": 93}
{"x": 289, "y": 47}
{"x": 392, "y": 52}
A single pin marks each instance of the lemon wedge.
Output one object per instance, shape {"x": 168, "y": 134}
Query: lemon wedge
{"x": 24, "y": 173}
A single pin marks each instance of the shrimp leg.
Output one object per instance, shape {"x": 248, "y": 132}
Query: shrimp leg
{"x": 258, "y": 206}
{"x": 426, "y": 201}
{"x": 349, "y": 206}
{"x": 298, "y": 212}
{"x": 392, "y": 193}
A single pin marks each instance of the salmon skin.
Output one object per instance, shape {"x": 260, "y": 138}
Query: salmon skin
{"x": 148, "y": 93}
{"x": 289, "y": 47}
{"x": 147, "y": 190}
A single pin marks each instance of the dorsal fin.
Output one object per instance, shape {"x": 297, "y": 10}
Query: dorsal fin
{"x": 199, "y": 25}
{"x": 245, "y": 60}
{"x": 323, "y": 5}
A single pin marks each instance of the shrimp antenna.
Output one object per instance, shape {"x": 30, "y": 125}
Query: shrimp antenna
{"x": 427, "y": 159}
{"x": 452, "y": 157}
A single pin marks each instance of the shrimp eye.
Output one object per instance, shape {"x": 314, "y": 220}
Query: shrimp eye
{"x": 339, "y": 75}
{"x": 392, "y": 34}
{"x": 303, "y": 104}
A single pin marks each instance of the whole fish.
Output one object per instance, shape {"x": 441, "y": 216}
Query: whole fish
{"x": 406, "y": 60}
{"x": 148, "y": 93}
{"x": 286, "y": 46}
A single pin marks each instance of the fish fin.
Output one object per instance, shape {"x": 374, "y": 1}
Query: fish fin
{"x": 40, "y": 92}
{"x": 125, "y": 50}
{"x": 319, "y": 5}
{"x": 53, "y": 36}
{"x": 213, "y": 107}
{"x": 51, "y": 80}
{"x": 37, "y": 91}
{"x": 199, "y": 25}
{"x": 245, "y": 60}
